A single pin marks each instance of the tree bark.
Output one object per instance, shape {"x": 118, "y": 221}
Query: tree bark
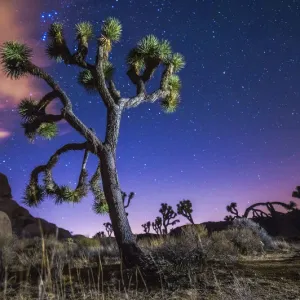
{"x": 131, "y": 254}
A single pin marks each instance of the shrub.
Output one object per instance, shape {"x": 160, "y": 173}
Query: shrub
{"x": 220, "y": 247}
{"x": 265, "y": 238}
{"x": 195, "y": 231}
{"x": 177, "y": 260}
{"x": 228, "y": 244}
{"x": 87, "y": 242}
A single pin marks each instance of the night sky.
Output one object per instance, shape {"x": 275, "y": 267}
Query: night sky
{"x": 235, "y": 137}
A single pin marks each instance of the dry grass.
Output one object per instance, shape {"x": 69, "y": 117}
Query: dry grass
{"x": 193, "y": 266}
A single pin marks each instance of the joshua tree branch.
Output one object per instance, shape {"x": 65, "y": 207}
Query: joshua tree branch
{"x": 113, "y": 91}
{"x": 142, "y": 95}
{"x": 100, "y": 78}
{"x": 47, "y": 99}
{"x": 142, "y": 98}
{"x": 67, "y": 112}
{"x": 51, "y": 186}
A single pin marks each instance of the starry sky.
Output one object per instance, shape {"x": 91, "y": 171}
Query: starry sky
{"x": 235, "y": 136}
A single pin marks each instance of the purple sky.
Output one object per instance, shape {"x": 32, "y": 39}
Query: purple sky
{"x": 234, "y": 138}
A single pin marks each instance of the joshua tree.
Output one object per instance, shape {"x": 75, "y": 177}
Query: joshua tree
{"x": 232, "y": 208}
{"x": 229, "y": 218}
{"x": 108, "y": 228}
{"x": 185, "y": 209}
{"x": 168, "y": 214}
{"x": 157, "y": 225}
{"x": 258, "y": 213}
{"x": 296, "y": 193}
{"x": 143, "y": 60}
{"x": 147, "y": 227}
{"x": 99, "y": 234}
{"x": 129, "y": 198}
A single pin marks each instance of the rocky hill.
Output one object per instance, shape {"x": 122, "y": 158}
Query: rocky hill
{"x": 23, "y": 223}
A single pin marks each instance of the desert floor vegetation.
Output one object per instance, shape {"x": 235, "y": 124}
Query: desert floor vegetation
{"x": 237, "y": 263}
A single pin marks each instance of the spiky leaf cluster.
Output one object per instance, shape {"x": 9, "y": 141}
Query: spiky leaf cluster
{"x": 15, "y": 58}
{"x": 148, "y": 53}
{"x": 36, "y": 127}
{"x": 100, "y": 207}
{"x": 135, "y": 60}
{"x": 86, "y": 79}
{"x": 28, "y": 109}
{"x": 151, "y": 47}
{"x": 84, "y": 32}
{"x": 34, "y": 194}
{"x": 65, "y": 194}
{"x": 47, "y": 130}
{"x": 112, "y": 29}
{"x": 56, "y": 47}
{"x": 173, "y": 85}
{"x": 170, "y": 103}
{"x": 177, "y": 61}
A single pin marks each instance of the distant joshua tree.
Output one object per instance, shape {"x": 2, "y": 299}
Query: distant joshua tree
{"x": 296, "y": 193}
{"x": 108, "y": 228}
{"x": 147, "y": 227}
{"x": 129, "y": 198}
{"x": 185, "y": 209}
{"x": 100, "y": 208}
{"x": 99, "y": 234}
{"x": 157, "y": 225}
{"x": 257, "y": 212}
{"x": 96, "y": 77}
{"x": 168, "y": 214}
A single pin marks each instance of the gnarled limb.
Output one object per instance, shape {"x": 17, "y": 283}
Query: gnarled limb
{"x": 142, "y": 96}
{"x": 36, "y": 192}
{"x": 113, "y": 91}
{"x": 67, "y": 112}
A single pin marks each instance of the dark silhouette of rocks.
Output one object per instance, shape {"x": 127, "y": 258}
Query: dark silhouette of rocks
{"x": 23, "y": 223}
{"x": 283, "y": 225}
{"x": 5, "y": 190}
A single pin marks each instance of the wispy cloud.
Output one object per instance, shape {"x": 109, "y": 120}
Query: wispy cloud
{"x": 12, "y": 28}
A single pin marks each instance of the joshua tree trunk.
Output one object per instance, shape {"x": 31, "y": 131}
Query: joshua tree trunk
{"x": 130, "y": 252}
{"x": 124, "y": 236}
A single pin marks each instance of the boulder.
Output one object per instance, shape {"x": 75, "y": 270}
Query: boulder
{"x": 22, "y": 222}
{"x": 5, "y": 190}
{"x": 5, "y": 225}
{"x": 145, "y": 236}
{"x": 34, "y": 229}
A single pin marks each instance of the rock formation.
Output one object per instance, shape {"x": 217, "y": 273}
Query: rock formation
{"x": 5, "y": 190}
{"x": 22, "y": 222}
{"x": 5, "y": 225}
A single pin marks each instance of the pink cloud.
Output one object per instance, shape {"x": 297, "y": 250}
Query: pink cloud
{"x": 13, "y": 91}
{"x": 4, "y": 134}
